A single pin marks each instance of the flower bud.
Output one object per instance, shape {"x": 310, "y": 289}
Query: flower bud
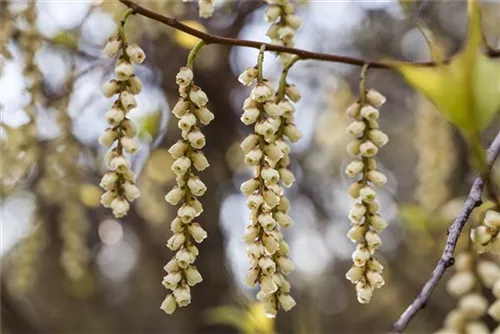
{"x": 461, "y": 283}
{"x": 367, "y": 194}
{"x": 196, "y": 139}
{"x": 375, "y": 98}
{"x": 186, "y": 213}
{"x": 494, "y": 310}
{"x": 112, "y": 47}
{"x": 114, "y": 116}
{"x": 267, "y": 265}
{"x": 250, "y": 116}
{"x": 248, "y": 76}
{"x": 360, "y": 256}
{"x": 272, "y": 109}
{"x": 129, "y": 145}
{"x": 193, "y": 276}
{"x": 123, "y": 70}
{"x": 354, "y": 168}
{"x": 196, "y": 186}
{"x": 134, "y": 85}
{"x": 283, "y": 219}
{"x": 131, "y": 192}
{"x": 108, "y": 180}
{"x": 285, "y": 264}
{"x": 364, "y": 292}
{"x": 204, "y": 115}
{"x": 250, "y": 234}
{"x": 272, "y": 13}
{"x": 181, "y": 165}
{"x": 353, "y": 148}
{"x": 178, "y": 149}
{"x": 129, "y": 128}
{"x": 120, "y": 164}
{"x": 377, "y": 178}
{"x": 174, "y": 196}
{"x": 266, "y": 221}
{"x": 293, "y": 21}
{"x": 127, "y": 100}
{"x": 198, "y": 97}
{"x": 184, "y": 77}
{"x": 249, "y": 187}
{"x": 292, "y": 132}
{"x": 378, "y": 137}
{"x": 120, "y": 207}
{"x": 356, "y": 128}
{"x": 182, "y": 295}
{"x": 267, "y": 285}
{"x": 375, "y": 279}
{"x": 187, "y": 122}
{"x": 251, "y": 277}
{"x": 270, "y": 243}
{"x": 200, "y": 162}
{"x": 261, "y": 93}
{"x": 377, "y": 223}
{"x": 353, "y": 110}
{"x": 108, "y": 197}
{"x": 369, "y": 113}
{"x": 135, "y": 53}
{"x": 250, "y": 142}
{"x": 270, "y": 199}
{"x": 354, "y": 274}
{"x": 492, "y": 219}
{"x": 197, "y": 232}
{"x": 356, "y": 233}
{"x": 180, "y": 108}
{"x": 253, "y": 157}
{"x": 110, "y": 88}
{"x": 368, "y": 149}
{"x": 473, "y": 305}
{"x": 176, "y": 241}
{"x": 373, "y": 240}
{"x": 108, "y": 137}
{"x": 169, "y": 304}
{"x": 206, "y": 8}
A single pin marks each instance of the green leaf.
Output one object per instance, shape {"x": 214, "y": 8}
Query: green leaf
{"x": 467, "y": 89}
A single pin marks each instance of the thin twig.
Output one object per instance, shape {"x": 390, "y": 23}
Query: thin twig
{"x": 303, "y": 54}
{"x": 447, "y": 259}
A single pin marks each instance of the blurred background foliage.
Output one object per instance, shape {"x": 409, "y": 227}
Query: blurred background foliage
{"x": 68, "y": 266}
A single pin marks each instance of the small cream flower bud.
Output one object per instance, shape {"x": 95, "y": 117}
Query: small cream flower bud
{"x": 353, "y": 148}
{"x": 180, "y": 108}
{"x": 196, "y": 139}
{"x": 369, "y": 113}
{"x": 267, "y": 265}
{"x": 181, "y": 165}
{"x": 251, "y": 277}
{"x": 360, "y": 256}
{"x": 123, "y": 70}
{"x": 186, "y": 213}
{"x": 356, "y": 128}
{"x": 177, "y": 226}
{"x": 182, "y": 295}
{"x": 270, "y": 175}
{"x": 286, "y": 301}
{"x": 375, "y": 279}
{"x": 110, "y": 88}
{"x": 356, "y": 233}
{"x": 287, "y": 110}
{"x": 108, "y": 197}
{"x": 255, "y": 250}
{"x": 112, "y": 47}
{"x": 357, "y": 213}
{"x": 197, "y": 232}
{"x": 108, "y": 180}
{"x": 193, "y": 276}
{"x": 114, "y": 116}
{"x": 374, "y": 265}
{"x": 248, "y": 76}
{"x": 272, "y": 109}
{"x": 261, "y": 93}
{"x": 187, "y": 121}
{"x": 377, "y": 178}
{"x": 131, "y": 192}
{"x": 283, "y": 219}
{"x": 249, "y": 187}
{"x": 492, "y": 219}
{"x": 129, "y": 128}
{"x": 270, "y": 243}
{"x": 354, "y": 168}
{"x": 120, "y": 207}
{"x": 367, "y": 194}
{"x": 294, "y": 21}
{"x": 285, "y": 264}
{"x": 249, "y": 143}
{"x": 174, "y": 196}
{"x": 489, "y": 272}
{"x": 364, "y": 292}
{"x": 127, "y": 100}
{"x": 267, "y": 285}
{"x": 134, "y": 85}
{"x": 286, "y": 33}
{"x": 292, "y": 132}
{"x": 354, "y": 274}
{"x": 253, "y": 157}
{"x": 378, "y": 137}
{"x": 373, "y": 240}
{"x": 494, "y": 310}
{"x": 169, "y": 304}
{"x": 184, "y": 258}
{"x": 108, "y": 137}
{"x": 293, "y": 93}
{"x": 171, "y": 280}
{"x": 266, "y": 221}
{"x": 368, "y": 149}
{"x": 354, "y": 189}
{"x": 461, "y": 283}
{"x": 120, "y": 164}
{"x": 377, "y": 222}
{"x": 270, "y": 309}
{"x": 198, "y": 97}
{"x": 254, "y": 201}
{"x": 200, "y": 162}
{"x": 176, "y": 241}
{"x": 135, "y": 53}
{"x": 473, "y": 305}
{"x": 271, "y": 199}
{"x": 206, "y": 8}
{"x": 250, "y": 116}
{"x": 353, "y": 110}
{"x": 204, "y": 115}
{"x": 272, "y": 13}
{"x": 286, "y": 177}
{"x": 250, "y": 234}
{"x": 375, "y": 98}
{"x": 178, "y": 149}
{"x": 184, "y": 77}
{"x": 129, "y": 145}
{"x": 196, "y": 186}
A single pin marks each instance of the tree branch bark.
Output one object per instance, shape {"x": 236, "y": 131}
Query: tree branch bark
{"x": 473, "y": 200}
{"x": 303, "y": 54}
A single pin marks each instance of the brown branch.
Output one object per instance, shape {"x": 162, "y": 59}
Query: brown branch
{"x": 303, "y": 54}
{"x": 447, "y": 259}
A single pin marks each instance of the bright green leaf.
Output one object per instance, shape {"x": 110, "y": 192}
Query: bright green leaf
{"x": 467, "y": 89}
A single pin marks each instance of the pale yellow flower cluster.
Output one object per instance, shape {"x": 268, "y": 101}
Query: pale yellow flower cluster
{"x": 472, "y": 274}
{"x": 119, "y": 183}
{"x": 267, "y": 152}
{"x": 366, "y": 271}
{"x": 486, "y": 237}
{"x": 284, "y": 24}
{"x": 191, "y": 109}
